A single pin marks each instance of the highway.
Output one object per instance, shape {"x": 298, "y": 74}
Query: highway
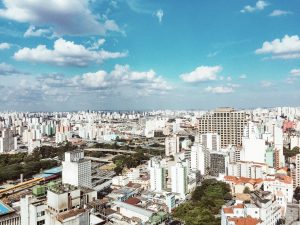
{"x": 109, "y": 150}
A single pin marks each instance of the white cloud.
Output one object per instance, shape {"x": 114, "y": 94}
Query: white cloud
{"x": 266, "y": 83}
{"x": 278, "y": 12}
{"x": 243, "y": 76}
{"x": 97, "y": 44}
{"x": 32, "y": 31}
{"x": 113, "y": 87}
{"x": 201, "y": 74}
{"x": 94, "y": 80}
{"x": 220, "y": 89}
{"x": 260, "y": 5}
{"x": 6, "y": 69}
{"x": 286, "y": 48}
{"x": 66, "y": 17}
{"x": 212, "y": 54}
{"x": 65, "y": 53}
{"x": 295, "y": 72}
{"x": 139, "y": 79}
{"x": 290, "y": 80}
{"x": 159, "y": 14}
{"x": 121, "y": 76}
{"x": 4, "y": 45}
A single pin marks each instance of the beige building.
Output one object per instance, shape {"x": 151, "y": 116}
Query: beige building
{"x": 227, "y": 122}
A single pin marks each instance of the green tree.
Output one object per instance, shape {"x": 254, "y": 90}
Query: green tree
{"x": 246, "y": 190}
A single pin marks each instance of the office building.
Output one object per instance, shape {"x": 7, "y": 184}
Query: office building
{"x": 226, "y": 122}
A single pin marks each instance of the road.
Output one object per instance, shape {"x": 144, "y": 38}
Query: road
{"x": 109, "y": 150}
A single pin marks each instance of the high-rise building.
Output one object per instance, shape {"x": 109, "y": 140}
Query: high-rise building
{"x": 254, "y": 147}
{"x": 179, "y": 179}
{"x": 157, "y": 175}
{"x": 172, "y": 145}
{"x": 199, "y": 158}
{"x": 7, "y": 141}
{"x": 76, "y": 170}
{"x": 226, "y": 122}
{"x": 218, "y": 163}
{"x": 278, "y": 144}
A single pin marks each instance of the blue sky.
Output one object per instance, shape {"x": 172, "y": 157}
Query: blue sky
{"x": 138, "y": 54}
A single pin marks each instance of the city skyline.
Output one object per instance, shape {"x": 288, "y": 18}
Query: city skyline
{"x": 143, "y": 55}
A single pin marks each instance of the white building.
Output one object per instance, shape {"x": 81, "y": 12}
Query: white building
{"x": 294, "y": 141}
{"x": 157, "y": 175}
{"x": 172, "y": 145}
{"x": 65, "y": 205}
{"x": 199, "y": 158}
{"x": 33, "y": 144}
{"x": 7, "y": 141}
{"x": 249, "y": 169}
{"x": 282, "y": 188}
{"x": 131, "y": 211}
{"x": 211, "y": 141}
{"x": 120, "y": 181}
{"x": 179, "y": 179}
{"x": 76, "y": 170}
{"x": 133, "y": 174}
{"x": 254, "y": 146}
{"x": 32, "y": 210}
{"x": 262, "y": 210}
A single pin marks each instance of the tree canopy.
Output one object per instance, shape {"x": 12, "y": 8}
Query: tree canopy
{"x": 206, "y": 202}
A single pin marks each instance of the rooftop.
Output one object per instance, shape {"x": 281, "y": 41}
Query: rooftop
{"x": 243, "y": 221}
{"x": 135, "y": 209}
{"x": 5, "y": 209}
{"x": 62, "y": 188}
{"x": 71, "y": 213}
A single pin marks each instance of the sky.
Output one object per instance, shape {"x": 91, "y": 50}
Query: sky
{"x": 65, "y": 55}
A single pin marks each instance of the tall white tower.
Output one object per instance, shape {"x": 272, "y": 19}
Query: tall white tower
{"x": 199, "y": 158}
{"x": 179, "y": 179}
{"x": 77, "y": 171}
{"x": 157, "y": 175}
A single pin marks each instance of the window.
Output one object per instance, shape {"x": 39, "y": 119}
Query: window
{"x": 42, "y": 213}
{"x": 42, "y": 222}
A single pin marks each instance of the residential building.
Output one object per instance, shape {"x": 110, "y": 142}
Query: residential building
{"x": 179, "y": 179}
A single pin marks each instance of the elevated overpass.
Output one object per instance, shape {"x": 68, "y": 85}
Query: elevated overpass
{"x": 109, "y": 150}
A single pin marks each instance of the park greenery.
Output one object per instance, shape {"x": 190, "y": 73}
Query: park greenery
{"x": 205, "y": 204}
{"x": 290, "y": 153}
{"x": 45, "y": 157}
{"x": 12, "y": 165}
{"x": 129, "y": 161}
